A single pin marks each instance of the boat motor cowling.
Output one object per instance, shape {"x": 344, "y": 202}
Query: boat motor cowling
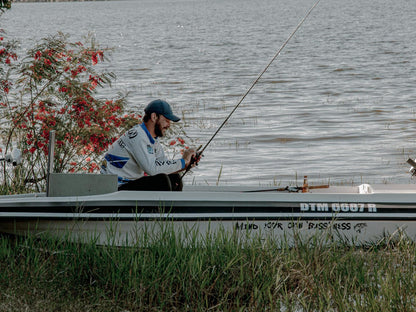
{"x": 15, "y": 157}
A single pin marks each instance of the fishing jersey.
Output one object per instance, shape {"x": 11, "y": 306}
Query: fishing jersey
{"x": 136, "y": 154}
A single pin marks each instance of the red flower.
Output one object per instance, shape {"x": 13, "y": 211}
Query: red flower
{"x": 38, "y": 55}
{"x": 48, "y": 62}
{"x": 94, "y": 60}
{"x": 94, "y": 84}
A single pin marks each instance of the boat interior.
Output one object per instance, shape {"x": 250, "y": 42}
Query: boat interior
{"x": 66, "y": 185}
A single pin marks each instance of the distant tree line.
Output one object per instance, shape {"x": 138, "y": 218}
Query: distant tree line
{"x": 54, "y": 0}
{"x": 5, "y": 4}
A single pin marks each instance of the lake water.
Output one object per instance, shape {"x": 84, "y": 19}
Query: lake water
{"x": 338, "y": 104}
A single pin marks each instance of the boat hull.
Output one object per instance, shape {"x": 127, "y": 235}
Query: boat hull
{"x": 140, "y": 217}
{"x": 142, "y": 233}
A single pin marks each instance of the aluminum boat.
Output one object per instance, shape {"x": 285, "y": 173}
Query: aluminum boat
{"x": 76, "y": 206}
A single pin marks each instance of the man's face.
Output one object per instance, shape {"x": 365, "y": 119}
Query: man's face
{"x": 161, "y": 126}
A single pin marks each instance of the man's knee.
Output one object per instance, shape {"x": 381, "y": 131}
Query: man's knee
{"x": 176, "y": 182}
{"x": 162, "y": 182}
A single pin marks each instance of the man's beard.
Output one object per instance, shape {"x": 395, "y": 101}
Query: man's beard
{"x": 158, "y": 129}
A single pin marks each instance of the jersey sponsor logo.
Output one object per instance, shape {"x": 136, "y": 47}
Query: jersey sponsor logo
{"x": 150, "y": 149}
{"x": 116, "y": 161}
{"x": 121, "y": 143}
{"x": 132, "y": 133}
{"x": 165, "y": 162}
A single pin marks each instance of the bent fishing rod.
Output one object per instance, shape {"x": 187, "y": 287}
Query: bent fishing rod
{"x": 200, "y": 151}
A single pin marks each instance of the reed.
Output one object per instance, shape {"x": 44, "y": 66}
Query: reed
{"x": 218, "y": 273}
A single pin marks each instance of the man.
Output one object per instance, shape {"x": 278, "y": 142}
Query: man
{"x": 137, "y": 156}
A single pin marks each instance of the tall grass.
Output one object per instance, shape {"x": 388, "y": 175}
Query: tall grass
{"x": 217, "y": 274}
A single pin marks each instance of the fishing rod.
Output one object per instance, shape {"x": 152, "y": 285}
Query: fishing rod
{"x": 199, "y": 152}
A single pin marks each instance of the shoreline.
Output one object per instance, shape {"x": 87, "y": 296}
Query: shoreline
{"x": 44, "y": 274}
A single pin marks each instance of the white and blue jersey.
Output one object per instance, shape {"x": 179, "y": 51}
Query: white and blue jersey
{"x": 136, "y": 154}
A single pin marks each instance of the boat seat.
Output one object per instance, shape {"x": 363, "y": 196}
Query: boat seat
{"x": 75, "y": 184}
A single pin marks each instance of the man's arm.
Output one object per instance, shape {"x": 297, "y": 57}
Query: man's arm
{"x": 150, "y": 160}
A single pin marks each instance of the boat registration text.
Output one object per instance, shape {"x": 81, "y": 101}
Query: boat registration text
{"x": 337, "y": 207}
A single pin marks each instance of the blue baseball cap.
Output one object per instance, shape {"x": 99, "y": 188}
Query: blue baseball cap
{"x": 161, "y": 107}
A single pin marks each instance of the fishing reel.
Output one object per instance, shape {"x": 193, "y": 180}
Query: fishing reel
{"x": 195, "y": 160}
{"x": 15, "y": 157}
{"x": 412, "y": 169}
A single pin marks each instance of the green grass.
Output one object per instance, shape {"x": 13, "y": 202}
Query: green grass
{"x": 217, "y": 274}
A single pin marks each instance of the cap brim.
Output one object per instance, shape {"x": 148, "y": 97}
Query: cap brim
{"x": 172, "y": 117}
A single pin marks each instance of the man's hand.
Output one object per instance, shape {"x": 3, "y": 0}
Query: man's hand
{"x": 191, "y": 158}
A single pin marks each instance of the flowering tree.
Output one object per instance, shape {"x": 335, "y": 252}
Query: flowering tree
{"x": 55, "y": 87}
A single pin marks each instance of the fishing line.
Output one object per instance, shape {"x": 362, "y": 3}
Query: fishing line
{"x": 199, "y": 152}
